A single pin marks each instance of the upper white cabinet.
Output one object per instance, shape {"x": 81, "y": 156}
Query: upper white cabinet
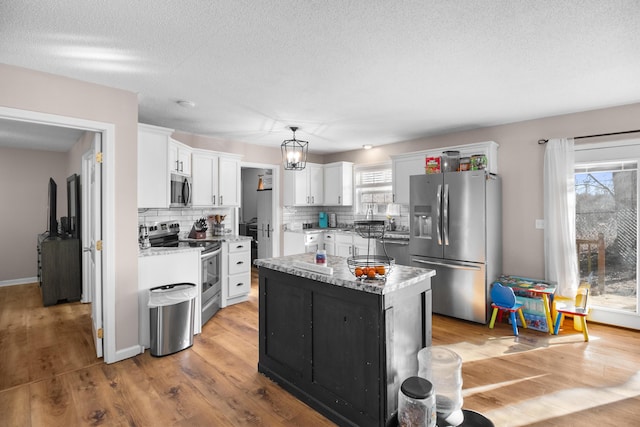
{"x": 216, "y": 179}
{"x": 405, "y": 165}
{"x": 179, "y": 158}
{"x": 305, "y": 187}
{"x": 153, "y": 161}
{"x": 229, "y": 181}
{"x": 403, "y": 168}
{"x": 338, "y": 184}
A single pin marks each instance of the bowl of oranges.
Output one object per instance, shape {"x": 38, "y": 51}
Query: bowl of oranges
{"x": 370, "y": 267}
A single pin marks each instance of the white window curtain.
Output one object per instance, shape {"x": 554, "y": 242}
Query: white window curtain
{"x": 561, "y": 264}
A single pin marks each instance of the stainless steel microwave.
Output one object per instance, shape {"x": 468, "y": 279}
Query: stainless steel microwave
{"x": 181, "y": 191}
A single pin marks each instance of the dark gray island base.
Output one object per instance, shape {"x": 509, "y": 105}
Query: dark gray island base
{"x": 339, "y": 344}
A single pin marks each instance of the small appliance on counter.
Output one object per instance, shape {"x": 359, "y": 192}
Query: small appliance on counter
{"x": 323, "y": 221}
{"x": 333, "y": 222}
{"x": 143, "y": 237}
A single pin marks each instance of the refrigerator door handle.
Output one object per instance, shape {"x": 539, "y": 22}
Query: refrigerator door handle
{"x": 439, "y": 204}
{"x": 444, "y": 264}
{"x": 445, "y": 215}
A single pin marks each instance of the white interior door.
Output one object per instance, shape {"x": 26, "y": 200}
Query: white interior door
{"x": 91, "y": 235}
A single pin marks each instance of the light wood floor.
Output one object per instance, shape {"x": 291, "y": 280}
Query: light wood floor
{"x": 49, "y": 375}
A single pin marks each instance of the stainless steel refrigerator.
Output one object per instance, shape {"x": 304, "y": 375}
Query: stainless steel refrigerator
{"x": 456, "y": 229}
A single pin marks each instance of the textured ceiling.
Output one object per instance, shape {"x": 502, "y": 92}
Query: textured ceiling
{"x": 347, "y": 73}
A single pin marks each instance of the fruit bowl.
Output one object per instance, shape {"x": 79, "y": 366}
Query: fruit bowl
{"x": 370, "y": 267}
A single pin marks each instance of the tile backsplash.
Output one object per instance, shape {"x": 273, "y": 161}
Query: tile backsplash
{"x": 344, "y": 215}
{"x": 186, "y": 216}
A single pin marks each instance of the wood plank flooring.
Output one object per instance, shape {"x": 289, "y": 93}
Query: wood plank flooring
{"x": 49, "y": 375}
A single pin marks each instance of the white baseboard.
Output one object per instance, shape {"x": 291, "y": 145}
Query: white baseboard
{"x": 22, "y": 281}
{"x": 127, "y": 353}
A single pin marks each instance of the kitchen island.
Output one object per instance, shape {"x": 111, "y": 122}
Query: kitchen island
{"x": 340, "y": 344}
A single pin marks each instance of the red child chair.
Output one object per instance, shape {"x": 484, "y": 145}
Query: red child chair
{"x": 505, "y": 300}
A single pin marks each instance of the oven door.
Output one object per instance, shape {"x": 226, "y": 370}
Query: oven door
{"x": 211, "y": 264}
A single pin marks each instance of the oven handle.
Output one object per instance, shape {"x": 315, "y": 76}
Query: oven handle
{"x": 210, "y": 254}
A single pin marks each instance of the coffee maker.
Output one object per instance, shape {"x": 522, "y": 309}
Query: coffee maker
{"x": 323, "y": 220}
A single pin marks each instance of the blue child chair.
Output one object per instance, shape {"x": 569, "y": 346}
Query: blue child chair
{"x": 505, "y": 300}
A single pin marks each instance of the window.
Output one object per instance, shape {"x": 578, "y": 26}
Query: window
{"x": 606, "y": 182}
{"x": 373, "y": 188}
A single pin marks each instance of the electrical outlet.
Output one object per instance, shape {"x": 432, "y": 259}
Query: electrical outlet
{"x": 540, "y": 224}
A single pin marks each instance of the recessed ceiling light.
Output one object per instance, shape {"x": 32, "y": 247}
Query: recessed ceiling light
{"x": 186, "y": 104}
{"x": 367, "y": 146}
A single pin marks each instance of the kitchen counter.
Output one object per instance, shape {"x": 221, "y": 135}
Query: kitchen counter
{"x": 342, "y": 345}
{"x": 400, "y": 276}
{"x": 225, "y": 238}
{"x": 166, "y": 251}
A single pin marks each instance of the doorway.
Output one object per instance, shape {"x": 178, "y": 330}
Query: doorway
{"x": 607, "y": 197}
{"x": 107, "y": 131}
{"x": 259, "y": 213}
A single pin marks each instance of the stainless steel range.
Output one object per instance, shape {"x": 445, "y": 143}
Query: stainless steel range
{"x": 166, "y": 234}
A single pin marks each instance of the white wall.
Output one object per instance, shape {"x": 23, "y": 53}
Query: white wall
{"x": 30, "y": 90}
{"x": 520, "y": 165}
{"x": 24, "y": 183}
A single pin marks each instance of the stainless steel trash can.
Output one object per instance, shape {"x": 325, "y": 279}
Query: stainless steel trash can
{"x": 171, "y": 313}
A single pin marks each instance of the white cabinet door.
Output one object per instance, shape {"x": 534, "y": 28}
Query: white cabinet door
{"x": 205, "y": 179}
{"x": 229, "y": 181}
{"x": 179, "y": 158}
{"x": 338, "y": 184}
{"x": 363, "y": 247}
{"x": 329, "y": 242}
{"x": 344, "y": 244}
{"x": 153, "y": 178}
{"x": 403, "y": 168}
{"x": 305, "y": 187}
{"x": 293, "y": 243}
{"x": 316, "y": 184}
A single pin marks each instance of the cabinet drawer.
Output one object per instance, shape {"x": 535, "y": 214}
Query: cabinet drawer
{"x": 238, "y": 284}
{"x": 244, "y": 245}
{"x": 239, "y": 262}
{"x": 311, "y": 238}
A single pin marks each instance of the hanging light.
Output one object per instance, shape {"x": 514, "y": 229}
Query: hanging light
{"x": 294, "y": 152}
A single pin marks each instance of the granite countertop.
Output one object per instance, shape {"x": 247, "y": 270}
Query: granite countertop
{"x": 400, "y": 276}
{"x": 225, "y": 238}
{"x": 166, "y": 251}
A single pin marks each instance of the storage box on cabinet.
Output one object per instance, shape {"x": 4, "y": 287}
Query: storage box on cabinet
{"x": 405, "y": 165}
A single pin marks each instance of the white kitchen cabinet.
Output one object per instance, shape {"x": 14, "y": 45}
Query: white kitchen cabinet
{"x": 296, "y": 242}
{"x": 338, "y": 184}
{"x": 179, "y": 158}
{"x": 236, "y": 271}
{"x": 229, "y": 181}
{"x": 362, "y": 246}
{"x": 403, "y": 168}
{"x": 350, "y": 244}
{"x": 216, "y": 179}
{"x": 329, "y": 242}
{"x": 153, "y": 161}
{"x": 344, "y": 244}
{"x": 405, "y": 165}
{"x": 305, "y": 187}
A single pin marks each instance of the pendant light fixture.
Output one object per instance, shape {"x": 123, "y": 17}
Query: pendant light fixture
{"x": 294, "y": 152}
